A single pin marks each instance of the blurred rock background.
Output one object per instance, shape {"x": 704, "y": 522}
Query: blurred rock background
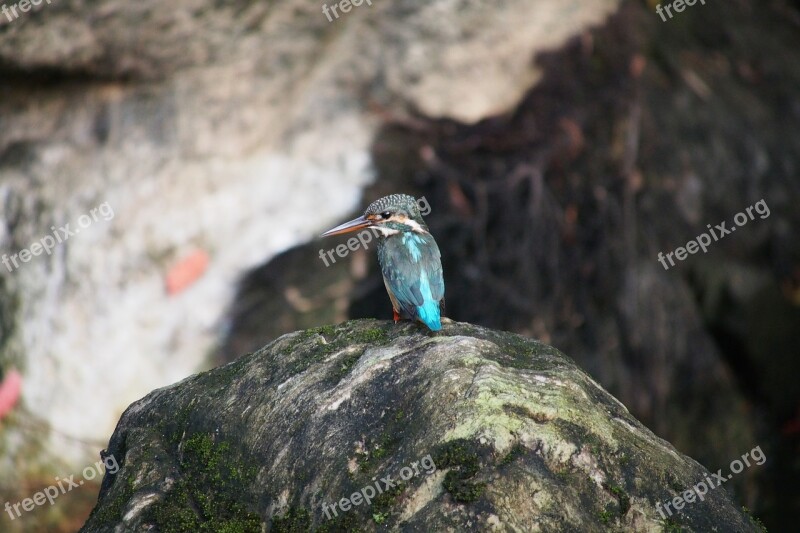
{"x": 560, "y": 144}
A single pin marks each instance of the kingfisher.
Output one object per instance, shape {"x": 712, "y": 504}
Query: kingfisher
{"x": 410, "y": 260}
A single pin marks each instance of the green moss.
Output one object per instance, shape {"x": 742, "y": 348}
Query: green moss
{"x": 174, "y": 426}
{"x": 222, "y": 375}
{"x": 380, "y": 452}
{"x": 565, "y": 475}
{"x": 315, "y": 345}
{"x": 294, "y": 521}
{"x": 353, "y": 521}
{"x": 325, "y": 331}
{"x": 371, "y": 336}
{"x": 668, "y": 479}
{"x": 670, "y": 526}
{"x": 676, "y": 485}
{"x": 377, "y": 449}
{"x": 516, "y": 451}
{"x": 387, "y": 501}
{"x": 111, "y": 512}
{"x": 572, "y": 432}
{"x": 349, "y": 521}
{"x": 754, "y": 520}
{"x": 380, "y": 449}
{"x": 206, "y": 495}
{"x": 622, "y": 497}
{"x": 462, "y": 491}
{"x": 459, "y": 453}
{"x": 516, "y": 351}
{"x": 461, "y": 457}
{"x": 606, "y": 516}
{"x": 345, "y": 366}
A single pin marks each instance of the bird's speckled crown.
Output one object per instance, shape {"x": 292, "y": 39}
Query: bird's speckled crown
{"x": 394, "y": 201}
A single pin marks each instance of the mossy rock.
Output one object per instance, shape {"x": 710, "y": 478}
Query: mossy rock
{"x": 465, "y": 429}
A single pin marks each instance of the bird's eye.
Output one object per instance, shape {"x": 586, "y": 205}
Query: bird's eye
{"x": 386, "y": 214}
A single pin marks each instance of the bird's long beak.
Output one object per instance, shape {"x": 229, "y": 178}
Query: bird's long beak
{"x": 354, "y": 225}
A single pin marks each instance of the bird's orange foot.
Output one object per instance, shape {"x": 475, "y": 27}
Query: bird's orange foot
{"x": 396, "y": 316}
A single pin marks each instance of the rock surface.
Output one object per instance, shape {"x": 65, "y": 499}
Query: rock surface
{"x": 514, "y": 436}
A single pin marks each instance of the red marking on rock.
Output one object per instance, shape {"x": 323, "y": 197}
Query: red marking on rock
{"x": 10, "y": 390}
{"x": 186, "y": 272}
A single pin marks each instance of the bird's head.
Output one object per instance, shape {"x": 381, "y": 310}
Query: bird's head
{"x": 389, "y": 215}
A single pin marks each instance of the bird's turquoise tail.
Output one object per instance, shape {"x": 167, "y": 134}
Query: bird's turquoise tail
{"x": 429, "y": 314}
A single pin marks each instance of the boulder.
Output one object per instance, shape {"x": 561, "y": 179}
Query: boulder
{"x": 375, "y": 426}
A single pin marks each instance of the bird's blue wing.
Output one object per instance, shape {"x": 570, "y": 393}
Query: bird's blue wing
{"x": 414, "y": 276}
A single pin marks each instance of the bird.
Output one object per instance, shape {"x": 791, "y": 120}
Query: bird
{"x": 409, "y": 258}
